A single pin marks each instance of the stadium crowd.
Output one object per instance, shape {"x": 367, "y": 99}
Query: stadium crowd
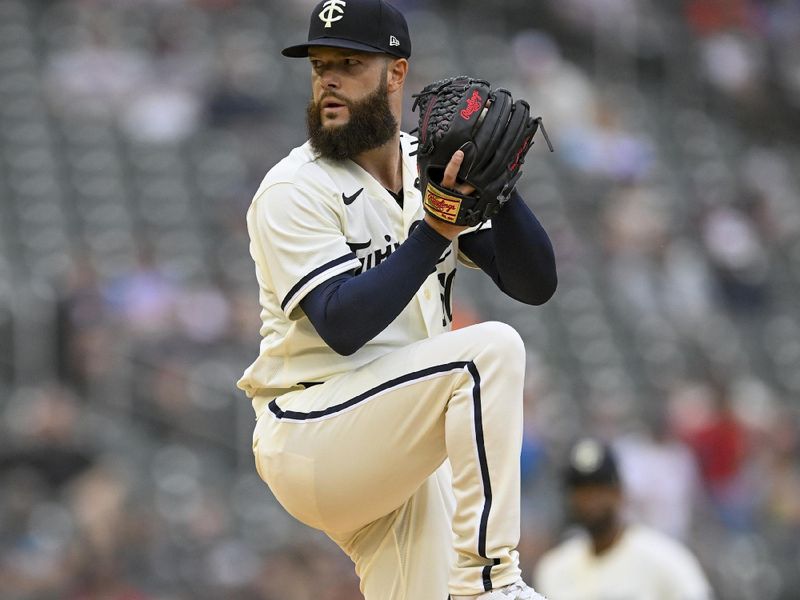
{"x": 132, "y": 136}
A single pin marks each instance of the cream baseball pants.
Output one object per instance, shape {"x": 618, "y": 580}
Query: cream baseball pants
{"x": 409, "y": 463}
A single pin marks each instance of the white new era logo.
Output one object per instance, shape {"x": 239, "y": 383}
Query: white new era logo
{"x": 393, "y": 41}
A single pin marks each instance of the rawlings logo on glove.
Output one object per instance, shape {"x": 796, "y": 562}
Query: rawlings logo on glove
{"x": 474, "y": 104}
{"x": 441, "y": 205}
{"x": 494, "y": 143}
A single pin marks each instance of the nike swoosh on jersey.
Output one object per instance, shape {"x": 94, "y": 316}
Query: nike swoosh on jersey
{"x": 350, "y": 199}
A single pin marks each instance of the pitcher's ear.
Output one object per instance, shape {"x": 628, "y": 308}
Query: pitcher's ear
{"x": 396, "y": 71}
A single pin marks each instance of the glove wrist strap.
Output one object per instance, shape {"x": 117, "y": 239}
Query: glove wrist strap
{"x": 447, "y": 205}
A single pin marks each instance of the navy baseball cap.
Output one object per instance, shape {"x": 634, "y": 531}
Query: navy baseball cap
{"x": 591, "y": 462}
{"x": 366, "y": 25}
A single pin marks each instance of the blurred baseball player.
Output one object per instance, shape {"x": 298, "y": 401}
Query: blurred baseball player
{"x": 615, "y": 560}
{"x": 398, "y": 438}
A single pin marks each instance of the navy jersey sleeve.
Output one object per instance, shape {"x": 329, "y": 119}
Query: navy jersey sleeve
{"x": 516, "y": 253}
{"x": 349, "y": 310}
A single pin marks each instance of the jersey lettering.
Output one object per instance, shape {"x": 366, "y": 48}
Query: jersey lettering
{"x": 376, "y": 257}
{"x": 372, "y": 229}
{"x": 446, "y": 285}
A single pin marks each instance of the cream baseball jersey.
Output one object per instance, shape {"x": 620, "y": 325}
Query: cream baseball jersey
{"x": 643, "y": 565}
{"x": 312, "y": 219}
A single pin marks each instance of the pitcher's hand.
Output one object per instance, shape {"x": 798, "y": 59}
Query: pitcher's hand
{"x": 449, "y": 181}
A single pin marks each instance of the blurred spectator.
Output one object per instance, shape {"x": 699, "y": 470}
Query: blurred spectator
{"x": 82, "y": 322}
{"x": 44, "y": 434}
{"x": 660, "y": 477}
{"x": 651, "y": 271}
{"x": 709, "y": 16}
{"x": 99, "y": 503}
{"x": 783, "y": 27}
{"x": 782, "y": 504}
{"x": 615, "y": 559}
{"x": 556, "y": 88}
{"x": 602, "y": 15}
{"x": 95, "y": 79}
{"x": 114, "y": 75}
{"x": 152, "y": 95}
{"x": 202, "y": 312}
{"x": 738, "y": 258}
{"x": 160, "y": 112}
{"x": 246, "y": 76}
{"x": 35, "y": 538}
{"x": 606, "y": 149}
{"x": 721, "y": 444}
{"x": 143, "y": 299}
{"x": 734, "y": 64}
{"x": 768, "y": 179}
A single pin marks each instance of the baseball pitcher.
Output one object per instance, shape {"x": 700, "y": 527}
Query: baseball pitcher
{"x": 376, "y": 424}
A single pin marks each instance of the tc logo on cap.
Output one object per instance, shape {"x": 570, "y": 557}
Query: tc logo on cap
{"x": 587, "y": 456}
{"x": 332, "y": 11}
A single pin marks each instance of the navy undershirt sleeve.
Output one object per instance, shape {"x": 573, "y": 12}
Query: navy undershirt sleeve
{"x": 349, "y": 310}
{"x": 516, "y": 253}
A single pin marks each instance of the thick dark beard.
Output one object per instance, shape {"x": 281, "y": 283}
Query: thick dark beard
{"x": 371, "y": 124}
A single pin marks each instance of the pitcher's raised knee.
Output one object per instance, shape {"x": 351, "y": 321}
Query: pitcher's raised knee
{"x": 502, "y": 342}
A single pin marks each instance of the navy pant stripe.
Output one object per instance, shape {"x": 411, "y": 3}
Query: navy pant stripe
{"x": 479, "y": 437}
{"x": 408, "y": 377}
{"x": 484, "y": 468}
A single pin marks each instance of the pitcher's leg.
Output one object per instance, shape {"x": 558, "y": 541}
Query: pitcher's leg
{"x": 484, "y": 440}
{"x": 346, "y": 453}
{"x": 340, "y": 473}
{"x": 406, "y": 554}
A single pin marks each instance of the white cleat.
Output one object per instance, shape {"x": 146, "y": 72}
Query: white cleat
{"x": 515, "y": 591}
